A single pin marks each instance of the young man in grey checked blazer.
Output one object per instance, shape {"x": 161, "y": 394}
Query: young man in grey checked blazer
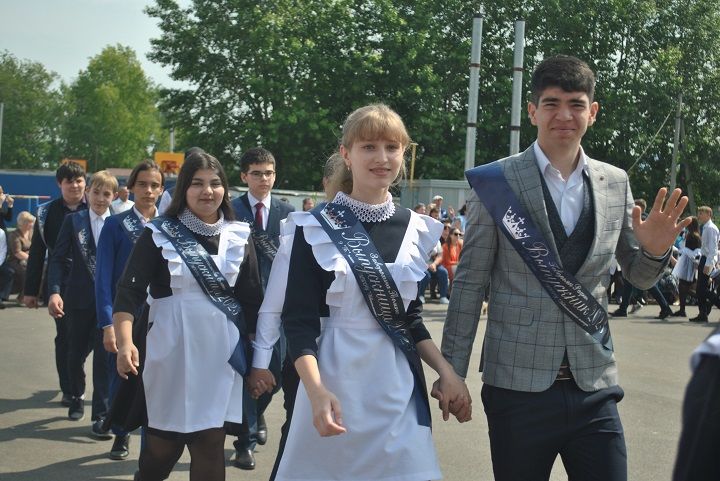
{"x": 549, "y": 387}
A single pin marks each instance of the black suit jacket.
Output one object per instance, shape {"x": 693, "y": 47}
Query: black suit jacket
{"x": 36, "y": 261}
{"x": 68, "y": 273}
{"x": 278, "y": 211}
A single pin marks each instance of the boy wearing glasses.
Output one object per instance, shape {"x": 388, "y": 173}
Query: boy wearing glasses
{"x": 264, "y": 213}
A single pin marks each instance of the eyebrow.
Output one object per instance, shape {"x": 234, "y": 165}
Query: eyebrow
{"x": 557, "y": 99}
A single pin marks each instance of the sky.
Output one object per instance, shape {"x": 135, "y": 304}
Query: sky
{"x": 64, "y": 34}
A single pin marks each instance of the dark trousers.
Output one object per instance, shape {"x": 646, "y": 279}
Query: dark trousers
{"x": 62, "y": 338}
{"x": 697, "y": 458}
{"x": 631, "y": 292}
{"x": 7, "y": 275}
{"x": 529, "y": 429}
{"x": 290, "y": 383}
{"x": 703, "y": 289}
{"x": 84, "y": 338}
{"x": 114, "y": 381}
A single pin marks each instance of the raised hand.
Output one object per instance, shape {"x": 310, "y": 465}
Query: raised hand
{"x": 661, "y": 227}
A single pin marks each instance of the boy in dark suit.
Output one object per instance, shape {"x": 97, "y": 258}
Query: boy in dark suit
{"x": 71, "y": 278}
{"x": 117, "y": 240}
{"x": 70, "y": 178}
{"x": 264, "y": 213}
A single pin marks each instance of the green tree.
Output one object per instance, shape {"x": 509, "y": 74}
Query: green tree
{"x": 112, "y": 118}
{"x": 284, "y": 74}
{"x": 32, "y": 114}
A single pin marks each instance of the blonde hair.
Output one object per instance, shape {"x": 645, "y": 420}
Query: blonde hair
{"x": 103, "y": 178}
{"x": 372, "y": 122}
{"x": 25, "y": 218}
{"x": 705, "y": 210}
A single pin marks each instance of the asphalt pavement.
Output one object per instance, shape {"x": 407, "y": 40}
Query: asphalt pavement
{"x": 39, "y": 443}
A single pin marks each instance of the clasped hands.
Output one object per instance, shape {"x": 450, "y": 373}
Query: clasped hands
{"x": 453, "y": 397}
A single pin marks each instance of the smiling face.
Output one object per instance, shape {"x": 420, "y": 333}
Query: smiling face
{"x": 147, "y": 189}
{"x": 561, "y": 117}
{"x": 205, "y": 194}
{"x": 99, "y": 197}
{"x": 72, "y": 190}
{"x": 374, "y": 164}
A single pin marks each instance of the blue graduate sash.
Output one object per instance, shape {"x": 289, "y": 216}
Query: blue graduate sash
{"x": 378, "y": 288}
{"x": 131, "y": 225}
{"x": 211, "y": 280}
{"x": 493, "y": 190}
{"x": 262, "y": 240}
{"x": 85, "y": 240}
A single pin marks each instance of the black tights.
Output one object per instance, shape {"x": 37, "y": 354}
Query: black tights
{"x": 683, "y": 291}
{"x": 161, "y": 453}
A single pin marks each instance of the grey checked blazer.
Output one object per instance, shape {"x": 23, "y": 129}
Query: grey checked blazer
{"x": 527, "y": 334}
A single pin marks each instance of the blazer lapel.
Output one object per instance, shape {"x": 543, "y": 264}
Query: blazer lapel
{"x": 599, "y": 183}
{"x": 524, "y": 177}
{"x": 273, "y": 223}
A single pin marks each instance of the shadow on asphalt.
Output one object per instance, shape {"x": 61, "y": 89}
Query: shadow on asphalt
{"x": 86, "y": 467}
{"x": 39, "y": 399}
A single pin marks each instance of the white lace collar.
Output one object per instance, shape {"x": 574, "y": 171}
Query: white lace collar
{"x": 367, "y": 212}
{"x": 192, "y": 222}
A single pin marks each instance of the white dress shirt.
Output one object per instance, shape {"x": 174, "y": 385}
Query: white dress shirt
{"x": 265, "y": 210}
{"x": 96, "y": 223}
{"x": 118, "y": 205}
{"x": 143, "y": 220}
{"x": 567, "y": 194}
{"x": 3, "y": 247}
{"x": 709, "y": 247}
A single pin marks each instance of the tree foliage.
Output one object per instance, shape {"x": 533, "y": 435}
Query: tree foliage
{"x": 112, "y": 118}
{"x": 284, "y": 74}
{"x": 32, "y": 109}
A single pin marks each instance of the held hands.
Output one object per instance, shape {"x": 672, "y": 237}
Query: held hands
{"x": 661, "y": 227}
{"x": 55, "y": 306}
{"x": 260, "y": 381}
{"x": 327, "y": 414}
{"x": 453, "y": 396}
{"x": 128, "y": 360}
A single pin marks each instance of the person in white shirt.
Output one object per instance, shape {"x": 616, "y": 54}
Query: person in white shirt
{"x": 6, "y": 273}
{"x": 708, "y": 257}
{"x": 122, "y": 203}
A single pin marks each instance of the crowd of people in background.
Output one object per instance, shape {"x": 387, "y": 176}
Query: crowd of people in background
{"x": 198, "y": 310}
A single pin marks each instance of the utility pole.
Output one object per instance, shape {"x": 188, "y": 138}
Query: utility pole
{"x": 676, "y": 143}
{"x": 2, "y": 111}
{"x": 172, "y": 139}
{"x": 517, "y": 87}
{"x": 471, "y": 134}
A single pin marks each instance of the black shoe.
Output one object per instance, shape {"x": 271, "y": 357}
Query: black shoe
{"x": 66, "y": 400}
{"x": 77, "y": 409}
{"x": 619, "y": 313}
{"x": 121, "y": 448}
{"x": 699, "y": 318}
{"x": 261, "y": 431}
{"x": 244, "y": 459}
{"x": 665, "y": 313}
{"x": 97, "y": 430}
{"x": 680, "y": 313}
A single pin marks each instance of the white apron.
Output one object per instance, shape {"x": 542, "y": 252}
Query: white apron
{"x": 370, "y": 376}
{"x": 189, "y": 385}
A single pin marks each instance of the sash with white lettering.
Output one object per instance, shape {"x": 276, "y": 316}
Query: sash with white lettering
{"x": 42, "y": 213}
{"x": 510, "y": 216}
{"x": 262, "y": 240}
{"x": 86, "y": 242}
{"x": 132, "y": 225}
{"x": 378, "y": 288}
{"x": 211, "y": 280}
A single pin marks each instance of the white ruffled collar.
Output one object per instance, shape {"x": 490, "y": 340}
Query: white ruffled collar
{"x": 192, "y": 222}
{"x": 367, "y": 212}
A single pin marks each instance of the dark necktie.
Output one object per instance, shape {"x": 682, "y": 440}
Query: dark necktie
{"x": 259, "y": 215}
